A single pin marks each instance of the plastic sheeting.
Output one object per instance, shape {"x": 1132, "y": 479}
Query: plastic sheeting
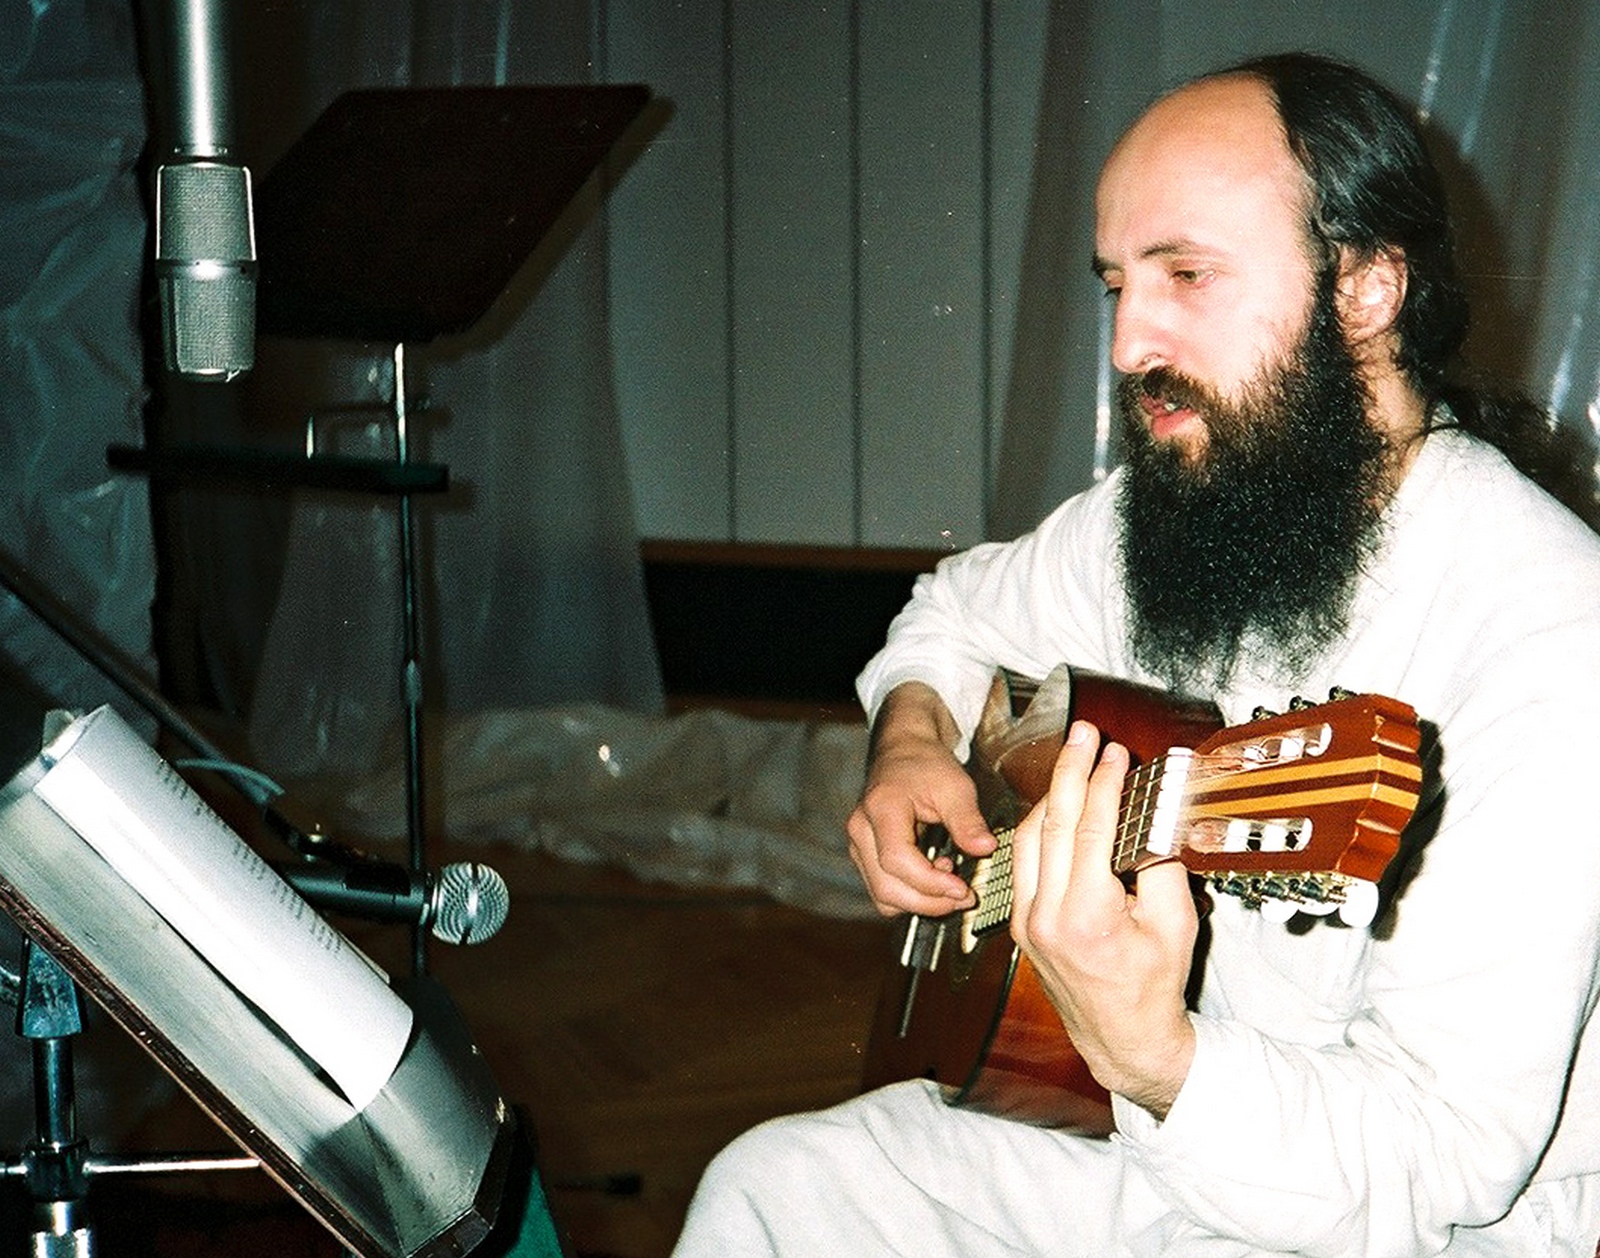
{"x": 706, "y": 798}
{"x": 327, "y": 627}
{"x": 71, "y": 382}
{"x": 71, "y": 366}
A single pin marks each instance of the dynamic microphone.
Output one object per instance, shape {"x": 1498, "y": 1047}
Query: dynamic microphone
{"x": 205, "y": 246}
{"x": 464, "y": 903}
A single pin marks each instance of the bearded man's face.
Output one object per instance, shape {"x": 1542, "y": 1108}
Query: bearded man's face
{"x": 1252, "y": 539}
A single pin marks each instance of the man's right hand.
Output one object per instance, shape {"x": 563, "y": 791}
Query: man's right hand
{"x": 914, "y": 779}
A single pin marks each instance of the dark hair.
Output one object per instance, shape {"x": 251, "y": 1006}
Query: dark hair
{"x": 1375, "y": 188}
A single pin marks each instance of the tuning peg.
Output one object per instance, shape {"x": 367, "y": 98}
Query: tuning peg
{"x": 1300, "y": 703}
{"x": 1277, "y": 911}
{"x": 1339, "y": 692}
{"x": 1262, "y": 713}
{"x": 1360, "y": 904}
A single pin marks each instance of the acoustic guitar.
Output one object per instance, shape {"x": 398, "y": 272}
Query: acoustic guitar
{"x": 1293, "y": 812}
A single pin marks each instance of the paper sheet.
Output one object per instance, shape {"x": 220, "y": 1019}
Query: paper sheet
{"x": 134, "y": 809}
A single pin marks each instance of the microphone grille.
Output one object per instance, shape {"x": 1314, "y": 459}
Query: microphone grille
{"x": 470, "y": 903}
{"x": 206, "y": 269}
{"x": 204, "y": 210}
{"x": 208, "y": 323}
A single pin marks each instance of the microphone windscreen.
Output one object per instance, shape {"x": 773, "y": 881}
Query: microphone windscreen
{"x": 470, "y": 903}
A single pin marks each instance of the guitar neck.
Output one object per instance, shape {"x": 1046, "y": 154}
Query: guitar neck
{"x": 1146, "y": 828}
{"x": 1298, "y": 812}
{"x": 1298, "y": 806}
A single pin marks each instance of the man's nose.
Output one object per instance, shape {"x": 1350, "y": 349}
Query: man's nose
{"x": 1140, "y": 338}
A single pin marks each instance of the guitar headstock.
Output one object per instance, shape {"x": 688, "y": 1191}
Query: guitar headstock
{"x": 1295, "y": 807}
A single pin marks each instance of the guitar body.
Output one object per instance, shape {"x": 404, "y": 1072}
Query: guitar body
{"x": 985, "y": 1029}
{"x": 988, "y": 1034}
{"x": 964, "y": 1008}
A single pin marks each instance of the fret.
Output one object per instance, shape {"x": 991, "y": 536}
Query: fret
{"x": 1153, "y": 809}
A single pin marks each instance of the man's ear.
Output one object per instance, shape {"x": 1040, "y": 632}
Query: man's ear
{"x": 1370, "y": 292}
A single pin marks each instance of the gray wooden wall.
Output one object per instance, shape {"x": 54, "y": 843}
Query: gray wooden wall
{"x": 814, "y": 263}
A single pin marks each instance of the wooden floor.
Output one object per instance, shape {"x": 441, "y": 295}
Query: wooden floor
{"x": 640, "y": 1026}
{"x": 644, "y": 1027}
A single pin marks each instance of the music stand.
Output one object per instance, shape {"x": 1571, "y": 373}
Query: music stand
{"x": 416, "y": 1173}
{"x": 399, "y": 217}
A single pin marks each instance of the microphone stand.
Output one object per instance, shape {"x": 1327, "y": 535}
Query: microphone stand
{"x": 410, "y": 664}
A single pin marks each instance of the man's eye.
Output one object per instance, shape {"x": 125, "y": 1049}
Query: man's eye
{"x": 1191, "y": 276}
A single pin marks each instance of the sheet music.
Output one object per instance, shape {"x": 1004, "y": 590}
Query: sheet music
{"x": 149, "y": 825}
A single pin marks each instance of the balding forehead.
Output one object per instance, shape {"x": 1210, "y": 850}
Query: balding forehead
{"x": 1236, "y": 111}
{"x": 1224, "y": 131}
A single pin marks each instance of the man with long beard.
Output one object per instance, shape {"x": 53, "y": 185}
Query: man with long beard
{"x": 1308, "y": 502}
{"x": 1262, "y": 532}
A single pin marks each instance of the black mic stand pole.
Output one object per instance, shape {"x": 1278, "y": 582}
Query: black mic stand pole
{"x": 411, "y": 664}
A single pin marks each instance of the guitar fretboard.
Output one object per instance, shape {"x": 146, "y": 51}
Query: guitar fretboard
{"x": 1182, "y": 804}
{"x": 991, "y": 880}
{"x": 1152, "y": 805}
{"x": 1152, "y": 800}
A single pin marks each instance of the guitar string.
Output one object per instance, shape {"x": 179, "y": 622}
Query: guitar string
{"x": 1132, "y": 831}
{"x": 1134, "y": 813}
{"x": 993, "y": 877}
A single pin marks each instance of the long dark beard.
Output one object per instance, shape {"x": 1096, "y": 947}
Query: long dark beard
{"x": 1260, "y": 537}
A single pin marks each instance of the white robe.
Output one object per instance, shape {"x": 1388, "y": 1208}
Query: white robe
{"x": 1431, "y": 1086}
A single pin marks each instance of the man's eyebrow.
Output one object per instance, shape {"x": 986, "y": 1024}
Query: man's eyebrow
{"x": 1161, "y": 249}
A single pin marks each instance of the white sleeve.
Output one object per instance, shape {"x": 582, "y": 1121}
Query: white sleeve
{"x": 1026, "y": 605}
{"x": 1432, "y": 1099}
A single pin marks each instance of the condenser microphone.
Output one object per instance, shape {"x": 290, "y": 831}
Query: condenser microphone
{"x": 463, "y": 903}
{"x": 205, "y": 246}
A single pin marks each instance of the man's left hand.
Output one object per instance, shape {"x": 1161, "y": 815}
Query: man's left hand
{"x": 1114, "y": 962}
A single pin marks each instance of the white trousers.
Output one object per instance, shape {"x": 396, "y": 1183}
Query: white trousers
{"x": 899, "y": 1172}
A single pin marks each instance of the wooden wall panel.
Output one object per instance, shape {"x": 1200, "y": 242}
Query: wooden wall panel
{"x": 792, "y": 328}
{"x": 1013, "y": 84}
{"x": 921, "y": 274}
{"x": 669, "y": 274}
{"x": 814, "y": 264}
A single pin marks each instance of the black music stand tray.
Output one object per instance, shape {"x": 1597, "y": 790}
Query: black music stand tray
{"x": 397, "y": 218}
